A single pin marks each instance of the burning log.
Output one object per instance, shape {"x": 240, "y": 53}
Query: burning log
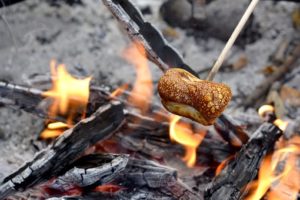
{"x": 143, "y": 135}
{"x": 67, "y": 148}
{"x": 90, "y": 170}
{"x": 135, "y": 176}
{"x": 243, "y": 169}
{"x": 32, "y": 100}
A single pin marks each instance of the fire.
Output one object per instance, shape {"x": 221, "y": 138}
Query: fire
{"x": 53, "y": 130}
{"x": 117, "y": 92}
{"x": 222, "y": 165}
{"x": 108, "y": 188}
{"x": 69, "y": 96}
{"x": 282, "y": 185}
{"x": 143, "y": 88}
{"x": 182, "y": 133}
{"x": 265, "y": 109}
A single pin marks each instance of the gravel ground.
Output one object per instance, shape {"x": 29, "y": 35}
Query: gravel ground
{"x": 89, "y": 41}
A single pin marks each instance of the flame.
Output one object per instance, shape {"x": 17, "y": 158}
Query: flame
{"x": 268, "y": 178}
{"x": 117, "y": 92}
{"x": 263, "y": 110}
{"x": 69, "y": 95}
{"x": 182, "y": 133}
{"x": 222, "y": 165}
{"x": 54, "y": 129}
{"x": 143, "y": 88}
{"x": 282, "y": 125}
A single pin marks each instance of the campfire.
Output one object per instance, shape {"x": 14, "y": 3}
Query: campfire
{"x": 131, "y": 142}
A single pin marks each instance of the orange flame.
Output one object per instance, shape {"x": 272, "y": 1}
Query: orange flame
{"x": 222, "y": 165}
{"x": 143, "y": 88}
{"x": 69, "y": 95}
{"x": 268, "y": 178}
{"x": 117, "y": 92}
{"x": 182, "y": 133}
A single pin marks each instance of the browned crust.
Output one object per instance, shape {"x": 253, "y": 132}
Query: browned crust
{"x": 208, "y": 98}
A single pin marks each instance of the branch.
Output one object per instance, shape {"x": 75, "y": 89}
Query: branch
{"x": 157, "y": 48}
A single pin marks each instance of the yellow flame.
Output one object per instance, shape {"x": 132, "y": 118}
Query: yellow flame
{"x": 182, "y": 133}
{"x": 54, "y": 129}
{"x": 267, "y": 176}
{"x": 282, "y": 125}
{"x": 143, "y": 88}
{"x": 68, "y": 93}
{"x": 69, "y": 96}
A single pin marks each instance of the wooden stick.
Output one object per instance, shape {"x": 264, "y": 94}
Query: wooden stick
{"x": 231, "y": 40}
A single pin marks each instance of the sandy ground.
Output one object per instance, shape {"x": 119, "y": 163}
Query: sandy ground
{"x": 89, "y": 41}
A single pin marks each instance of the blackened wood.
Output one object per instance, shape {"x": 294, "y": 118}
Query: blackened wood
{"x": 243, "y": 169}
{"x": 142, "y": 175}
{"x": 230, "y": 132}
{"x": 88, "y": 171}
{"x": 22, "y": 97}
{"x": 67, "y": 148}
{"x": 157, "y": 48}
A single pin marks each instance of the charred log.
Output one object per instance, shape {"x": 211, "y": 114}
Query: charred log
{"x": 139, "y": 178}
{"x": 89, "y": 171}
{"x": 65, "y": 150}
{"x": 228, "y": 185}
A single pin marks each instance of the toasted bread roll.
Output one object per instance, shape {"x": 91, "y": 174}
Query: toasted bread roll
{"x": 184, "y": 94}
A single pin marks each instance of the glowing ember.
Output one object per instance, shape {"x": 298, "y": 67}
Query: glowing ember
{"x": 182, "y": 133}
{"x": 143, "y": 87}
{"x": 281, "y": 184}
{"x": 108, "y": 188}
{"x": 69, "y": 95}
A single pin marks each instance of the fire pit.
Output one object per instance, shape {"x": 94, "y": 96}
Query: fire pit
{"x": 95, "y": 138}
